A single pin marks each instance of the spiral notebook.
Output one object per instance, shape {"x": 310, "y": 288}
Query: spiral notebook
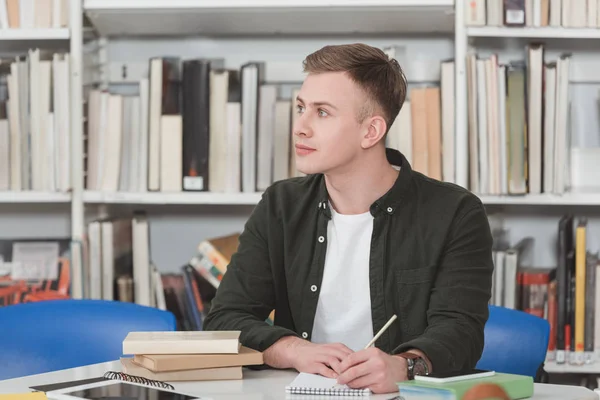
{"x": 319, "y": 385}
{"x": 109, "y": 375}
{"x": 118, "y": 385}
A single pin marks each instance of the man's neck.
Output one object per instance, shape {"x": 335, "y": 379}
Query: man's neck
{"x": 356, "y": 189}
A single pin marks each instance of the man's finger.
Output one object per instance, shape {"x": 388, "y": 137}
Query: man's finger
{"x": 325, "y": 371}
{"x": 353, "y": 373}
{"x": 363, "y": 382}
{"x": 354, "y": 359}
{"x": 335, "y": 352}
{"x": 333, "y": 362}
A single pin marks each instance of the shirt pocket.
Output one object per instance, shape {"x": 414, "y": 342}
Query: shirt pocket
{"x": 414, "y": 276}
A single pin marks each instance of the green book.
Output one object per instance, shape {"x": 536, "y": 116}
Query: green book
{"x": 516, "y": 386}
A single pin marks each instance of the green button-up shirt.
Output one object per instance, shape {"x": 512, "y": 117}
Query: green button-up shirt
{"x": 430, "y": 264}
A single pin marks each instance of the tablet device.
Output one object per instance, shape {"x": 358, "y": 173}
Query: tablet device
{"x": 117, "y": 389}
{"x": 454, "y": 376}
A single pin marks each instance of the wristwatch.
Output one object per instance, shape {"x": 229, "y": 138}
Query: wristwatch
{"x": 416, "y": 365}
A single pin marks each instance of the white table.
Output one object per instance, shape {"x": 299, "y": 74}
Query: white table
{"x": 256, "y": 385}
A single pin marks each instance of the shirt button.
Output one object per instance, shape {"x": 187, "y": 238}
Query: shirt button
{"x": 304, "y": 335}
{"x": 321, "y": 239}
{"x": 390, "y": 209}
{"x": 313, "y": 288}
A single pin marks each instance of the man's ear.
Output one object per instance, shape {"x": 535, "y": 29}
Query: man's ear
{"x": 376, "y": 128}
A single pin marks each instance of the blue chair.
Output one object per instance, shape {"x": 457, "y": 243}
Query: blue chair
{"x": 58, "y": 334}
{"x": 515, "y": 342}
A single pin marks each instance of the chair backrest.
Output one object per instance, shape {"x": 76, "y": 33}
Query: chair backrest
{"x": 515, "y": 342}
{"x": 51, "y": 335}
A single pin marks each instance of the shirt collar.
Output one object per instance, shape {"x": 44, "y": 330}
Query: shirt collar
{"x": 389, "y": 202}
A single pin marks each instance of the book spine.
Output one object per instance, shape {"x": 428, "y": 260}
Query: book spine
{"x": 590, "y": 306}
{"x": 580, "y": 282}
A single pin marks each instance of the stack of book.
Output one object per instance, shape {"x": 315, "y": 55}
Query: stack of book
{"x": 187, "y": 355}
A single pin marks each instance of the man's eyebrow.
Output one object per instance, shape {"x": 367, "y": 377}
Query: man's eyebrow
{"x": 317, "y": 103}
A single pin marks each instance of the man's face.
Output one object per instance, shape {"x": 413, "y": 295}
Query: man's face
{"x": 327, "y": 134}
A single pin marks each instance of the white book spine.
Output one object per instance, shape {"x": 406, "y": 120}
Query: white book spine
{"x": 143, "y": 126}
{"x": 549, "y": 130}
{"x": 234, "y": 131}
{"x": 555, "y": 13}
{"x": 475, "y": 12}
{"x": 502, "y": 145}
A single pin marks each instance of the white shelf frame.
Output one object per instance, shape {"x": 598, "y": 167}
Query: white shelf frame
{"x": 553, "y": 368}
{"x": 235, "y": 17}
{"x": 123, "y": 5}
{"x": 35, "y": 34}
{"x": 32, "y": 197}
{"x": 533, "y": 33}
{"x": 566, "y": 199}
{"x": 174, "y": 198}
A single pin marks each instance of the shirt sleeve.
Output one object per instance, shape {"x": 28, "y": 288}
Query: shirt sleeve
{"x": 458, "y": 309}
{"x": 246, "y": 295}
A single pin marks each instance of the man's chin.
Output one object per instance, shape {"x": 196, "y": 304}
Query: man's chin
{"x": 308, "y": 170}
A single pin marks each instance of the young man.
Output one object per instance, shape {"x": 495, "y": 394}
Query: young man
{"x": 360, "y": 238}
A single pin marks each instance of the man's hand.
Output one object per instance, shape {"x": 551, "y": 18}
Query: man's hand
{"x": 304, "y": 356}
{"x": 373, "y": 369}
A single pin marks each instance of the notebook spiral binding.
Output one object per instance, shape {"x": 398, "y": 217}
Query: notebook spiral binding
{"x": 121, "y": 376}
{"x": 337, "y": 391}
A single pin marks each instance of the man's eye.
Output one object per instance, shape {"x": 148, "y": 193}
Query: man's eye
{"x": 323, "y": 113}
{"x": 299, "y": 109}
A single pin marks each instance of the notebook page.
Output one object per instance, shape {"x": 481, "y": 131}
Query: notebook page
{"x": 316, "y": 384}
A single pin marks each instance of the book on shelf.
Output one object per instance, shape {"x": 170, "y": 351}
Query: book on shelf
{"x": 564, "y": 294}
{"x": 202, "y": 126}
{"x": 118, "y": 265}
{"x": 533, "y": 13}
{"x": 35, "y": 122}
{"x": 34, "y": 14}
{"x": 518, "y": 124}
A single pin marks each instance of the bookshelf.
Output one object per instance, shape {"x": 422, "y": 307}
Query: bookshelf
{"x": 130, "y": 32}
{"x": 537, "y": 215}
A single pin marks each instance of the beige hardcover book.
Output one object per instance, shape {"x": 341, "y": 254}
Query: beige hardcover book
{"x": 182, "y": 342}
{"x": 545, "y": 12}
{"x": 12, "y": 8}
{"x": 171, "y": 153}
{"x": 43, "y": 13}
{"x": 434, "y": 132}
{"x": 418, "y": 108}
{"x": 448, "y": 112}
{"x": 293, "y": 171}
{"x": 209, "y": 374}
{"x": 281, "y": 154}
{"x": 111, "y": 154}
{"x": 473, "y": 123}
{"x": 218, "y": 146}
{"x": 176, "y": 362}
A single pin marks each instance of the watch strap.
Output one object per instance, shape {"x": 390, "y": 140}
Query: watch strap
{"x": 410, "y": 359}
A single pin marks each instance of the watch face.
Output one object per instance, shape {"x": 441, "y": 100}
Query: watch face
{"x": 420, "y": 367}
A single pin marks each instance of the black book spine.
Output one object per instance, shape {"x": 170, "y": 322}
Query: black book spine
{"x": 196, "y": 124}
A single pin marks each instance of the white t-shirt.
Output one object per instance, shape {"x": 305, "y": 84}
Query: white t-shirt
{"x": 344, "y": 308}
